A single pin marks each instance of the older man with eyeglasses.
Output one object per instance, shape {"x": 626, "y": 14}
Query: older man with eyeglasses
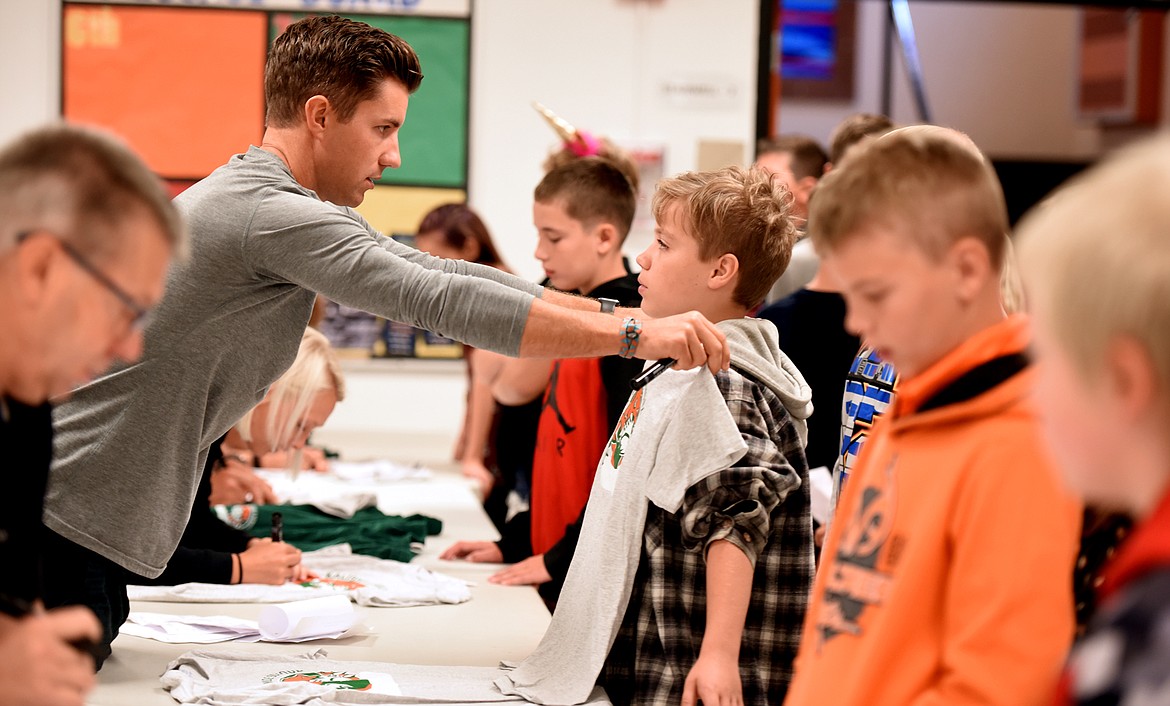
{"x": 86, "y": 235}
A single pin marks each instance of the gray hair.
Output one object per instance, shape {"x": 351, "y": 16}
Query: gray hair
{"x": 80, "y": 184}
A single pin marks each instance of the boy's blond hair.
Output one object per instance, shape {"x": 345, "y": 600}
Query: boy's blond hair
{"x": 744, "y": 212}
{"x": 1096, "y": 257}
{"x": 928, "y": 182}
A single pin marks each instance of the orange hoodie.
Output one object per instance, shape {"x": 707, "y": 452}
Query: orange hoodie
{"x": 947, "y": 577}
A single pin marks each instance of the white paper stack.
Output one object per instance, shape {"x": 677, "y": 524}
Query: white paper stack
{"x": 195, "y": 629}
{"x": 316, "y": 619}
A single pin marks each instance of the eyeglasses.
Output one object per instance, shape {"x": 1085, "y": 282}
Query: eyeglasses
{"x": 139, "y": 315}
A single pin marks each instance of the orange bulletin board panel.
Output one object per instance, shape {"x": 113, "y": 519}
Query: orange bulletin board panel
{"x": 185, "y": 87}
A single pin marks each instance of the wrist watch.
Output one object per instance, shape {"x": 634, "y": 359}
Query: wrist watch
{"x": 607, "y": 305}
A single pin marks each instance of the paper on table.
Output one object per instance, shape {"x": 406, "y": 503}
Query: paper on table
{"x": 329, "y": 616}
{"x": 194, "y": 629}
{"x": 820, "y": 482}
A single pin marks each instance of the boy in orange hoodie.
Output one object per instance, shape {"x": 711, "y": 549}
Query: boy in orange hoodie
{"x": 946, "y": 577}
{"x": 1103, "y": 338}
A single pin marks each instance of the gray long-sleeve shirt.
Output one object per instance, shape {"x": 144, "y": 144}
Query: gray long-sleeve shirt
{"x": 129, "y": 447}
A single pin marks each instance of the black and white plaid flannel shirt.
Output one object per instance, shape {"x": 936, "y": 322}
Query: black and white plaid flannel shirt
{"x": 761, "y": 504}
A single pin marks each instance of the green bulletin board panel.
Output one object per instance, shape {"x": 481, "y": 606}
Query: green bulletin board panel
{"x": 433, "y": 140}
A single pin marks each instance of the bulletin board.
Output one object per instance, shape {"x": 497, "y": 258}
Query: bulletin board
{"x": 182, "y": 81}
{"x": 184, "y": 86}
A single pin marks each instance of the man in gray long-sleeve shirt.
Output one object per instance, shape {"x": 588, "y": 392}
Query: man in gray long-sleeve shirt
{"x": 267, "y": 235}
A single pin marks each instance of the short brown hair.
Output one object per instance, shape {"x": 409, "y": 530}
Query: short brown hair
{"x": 593, "y": 190}
{"x": 854, "y": 129}
{"x": 335, "y": 57}
{"x": 80, "y": 184}
{"x": 808, "y": 157}
{"x": 607, "y": 150}
{"x": 929, "y": 182}
{"x": 744, "y": 212}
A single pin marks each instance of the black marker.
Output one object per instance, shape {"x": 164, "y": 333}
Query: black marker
{"x": 15, "y": 607}
{"x": 277, "y": 527}
{"x": 652, "y": 372}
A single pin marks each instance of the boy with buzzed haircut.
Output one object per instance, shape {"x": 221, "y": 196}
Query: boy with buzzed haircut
{"x": 582, "y": 210}
{"x": 1103, "y": 388}
{"x": 695, "y": 560}
{"x": 945, "y": 578}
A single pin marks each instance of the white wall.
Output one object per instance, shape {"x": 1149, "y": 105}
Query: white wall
{"x": 601, "y": 65}
{"x": 30, "y": 74}
{"x": 1005, "y": 74}
{"x": 412, "y": 403}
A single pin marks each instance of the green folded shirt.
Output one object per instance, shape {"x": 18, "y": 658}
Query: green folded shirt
{"x": 369, "y": 531}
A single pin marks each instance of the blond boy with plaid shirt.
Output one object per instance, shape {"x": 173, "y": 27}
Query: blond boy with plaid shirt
{"x": 691, "y": 578}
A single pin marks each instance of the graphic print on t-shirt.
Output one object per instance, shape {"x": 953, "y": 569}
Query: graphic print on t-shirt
{"x": 331, "y": 580}
{"x": 625, "y": 428}
{"x": 338, "y": 680}
{"x": 242, "y": 517}
{"x": 861, "y": 572}
{"x": 618, "y": 444}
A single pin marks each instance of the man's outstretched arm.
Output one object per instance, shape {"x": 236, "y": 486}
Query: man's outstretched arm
{"x": 554, "y": 331}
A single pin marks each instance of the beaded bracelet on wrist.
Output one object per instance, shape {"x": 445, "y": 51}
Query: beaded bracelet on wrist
{"x": 631, "y": 331}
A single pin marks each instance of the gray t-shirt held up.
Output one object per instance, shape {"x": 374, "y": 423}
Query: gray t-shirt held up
{"x": 130, "y": 446}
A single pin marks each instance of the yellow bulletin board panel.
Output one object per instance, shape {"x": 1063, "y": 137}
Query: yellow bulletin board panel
{"x": 397, "y": 210}
{"x": 185, "y": 87}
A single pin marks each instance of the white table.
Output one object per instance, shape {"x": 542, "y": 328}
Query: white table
{"x": 497, "y": 623}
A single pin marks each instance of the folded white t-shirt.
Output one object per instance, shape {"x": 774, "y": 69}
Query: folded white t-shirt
{"x": 324, "y": 491}
{"x": 368, "y": 581}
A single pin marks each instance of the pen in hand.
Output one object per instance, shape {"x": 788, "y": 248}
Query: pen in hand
{"x": 652, "y": 372}
{"x": 277, "y": 527}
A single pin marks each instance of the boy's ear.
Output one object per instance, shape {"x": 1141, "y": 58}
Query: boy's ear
{"x": 971, "y": 264}
{"x": 1131, "y": 378}
{"x": 607, "y": 239}
{"x": 724, "y": 272}
{"x": 316, "y": 109}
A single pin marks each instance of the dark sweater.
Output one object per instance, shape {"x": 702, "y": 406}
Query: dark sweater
{"x": 813, "y": 335}
{"x": 26, "y": 447}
